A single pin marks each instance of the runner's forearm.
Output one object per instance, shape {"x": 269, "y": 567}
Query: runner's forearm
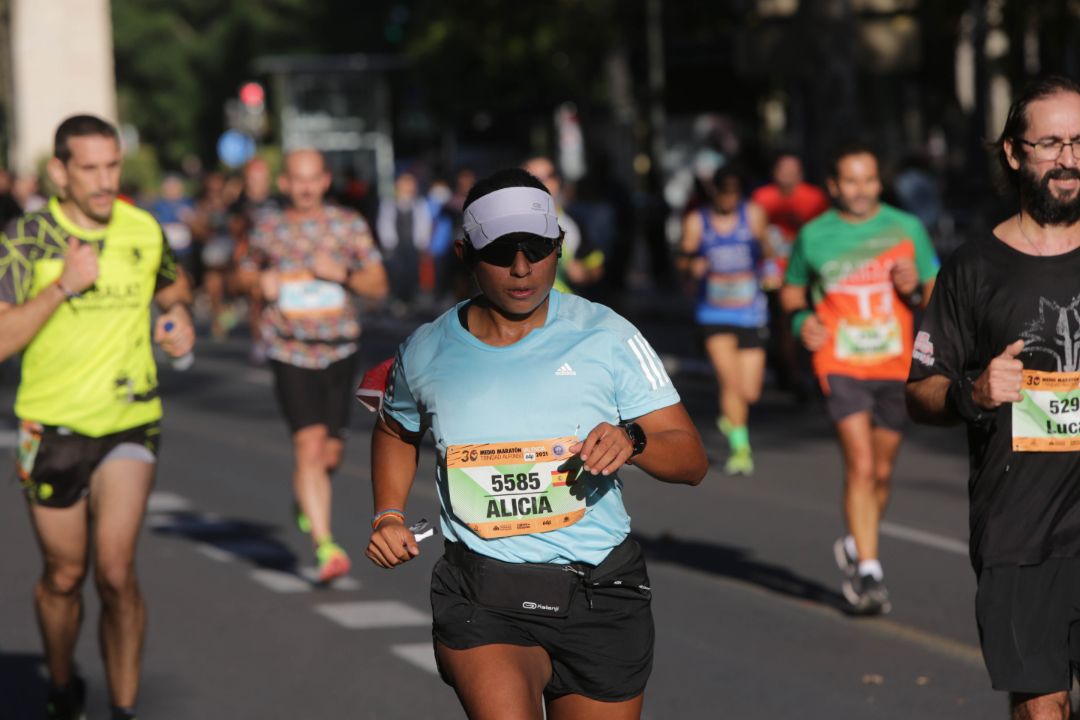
{"x": 674, "y": 456}
{"x": 394, "y": 460}
{"x": 673, "y": 450}
{"x": 369, "y": 281}
{"x": 20, "y": 323}
{"x": 927, "y": 401}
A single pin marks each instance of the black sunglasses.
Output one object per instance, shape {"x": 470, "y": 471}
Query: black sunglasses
{"x": 503, "y": 252}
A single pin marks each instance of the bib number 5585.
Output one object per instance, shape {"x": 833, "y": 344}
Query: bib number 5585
{"x": 515, "y": 482}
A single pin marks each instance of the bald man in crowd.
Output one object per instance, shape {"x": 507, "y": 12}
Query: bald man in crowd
{"x": 310, "y": 261}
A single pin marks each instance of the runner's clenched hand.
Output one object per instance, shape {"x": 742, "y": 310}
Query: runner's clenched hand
{"x": 270, "y": 285}
{"x": 905, "y": 276}
{"x": 814, "y": 334}
{"x": 326, "y": 267}
{"x": 1000, "y": 381}
{"x": 604, "y": 450}
{"x": 80, "y": 267}
{"x": 392, "y": 544}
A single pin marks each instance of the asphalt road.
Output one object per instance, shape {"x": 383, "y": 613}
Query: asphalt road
{"x": 746, "y": 595}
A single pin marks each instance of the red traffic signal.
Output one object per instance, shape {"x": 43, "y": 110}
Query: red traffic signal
{"x": 252, "y": 94}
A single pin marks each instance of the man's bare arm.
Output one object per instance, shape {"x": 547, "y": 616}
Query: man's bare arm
{"x": 927, "y": 401}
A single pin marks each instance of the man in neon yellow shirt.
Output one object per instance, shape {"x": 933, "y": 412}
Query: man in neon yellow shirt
{"x": 76, "y": 282}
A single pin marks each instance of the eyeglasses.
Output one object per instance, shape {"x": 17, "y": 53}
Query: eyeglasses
{"x": 502, "y": 253}
{"x": 1051, "y": 148}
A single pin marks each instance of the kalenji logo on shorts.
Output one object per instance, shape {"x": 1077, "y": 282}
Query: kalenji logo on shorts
{"x": 537, "y": 606}
{"x": 924, "y": 349}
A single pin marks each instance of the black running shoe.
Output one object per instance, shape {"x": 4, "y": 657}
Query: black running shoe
{"x": 68, "y": 703}
{"x": 867, "y": 595}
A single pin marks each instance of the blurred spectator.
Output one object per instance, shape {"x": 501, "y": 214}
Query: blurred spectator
{"x": 445, "y": 224}
{"x": 919, "y": 192}
{"x": 579, "y": 265}
{"x": 212, "y": 232}
{"x": 176, "y": 213}
{"x": 404, "y": 230}
{"x": 9, "y": 206}
{"x": 26, "y": 192}
{"x": 789, "y": 203}
{"x": 255, "y": 202}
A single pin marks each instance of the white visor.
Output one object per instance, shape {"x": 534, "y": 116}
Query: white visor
{"x": 510, "y": 210}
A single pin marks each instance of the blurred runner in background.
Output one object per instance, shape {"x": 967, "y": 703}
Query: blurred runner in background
{"x": 309, "y": 260}
{"x": 867, "y": 266}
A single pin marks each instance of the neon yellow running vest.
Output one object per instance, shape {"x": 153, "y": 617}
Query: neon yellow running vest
{"x": 91, "y": 367}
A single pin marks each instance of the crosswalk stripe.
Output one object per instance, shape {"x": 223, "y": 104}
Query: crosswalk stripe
{"x": 422, "y": 655}
{"x": 162, "y": 501}
{"x": 368, "y": 615}
{"x": 280, "y": 582}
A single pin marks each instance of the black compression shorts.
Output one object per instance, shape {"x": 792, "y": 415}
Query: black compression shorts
{"x": 602, "y": 646}
{"x": 314, "y": 396}
{"x": 55, "y": 464}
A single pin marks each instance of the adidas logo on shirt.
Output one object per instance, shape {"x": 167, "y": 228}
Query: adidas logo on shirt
{"x": 565, "y": 370}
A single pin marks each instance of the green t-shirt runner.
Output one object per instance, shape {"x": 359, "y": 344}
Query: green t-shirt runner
{"x": 847, "y": 267}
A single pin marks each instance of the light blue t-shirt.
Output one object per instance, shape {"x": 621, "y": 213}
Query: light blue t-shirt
{"x": 586, "y": 365}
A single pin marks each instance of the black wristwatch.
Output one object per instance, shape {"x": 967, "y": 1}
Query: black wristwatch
{"x": 636, "y": 435}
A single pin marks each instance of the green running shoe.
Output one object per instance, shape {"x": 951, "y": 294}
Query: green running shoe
{"x": 303, "y": 524}
{"x": 333, "y": 562}
{"x": 740, "y": 463}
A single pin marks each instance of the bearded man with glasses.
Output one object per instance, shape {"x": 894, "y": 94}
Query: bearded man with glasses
{"x": 999, "y": 350}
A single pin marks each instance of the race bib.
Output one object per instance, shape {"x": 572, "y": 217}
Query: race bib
{"x": 1047, "y": 418}
{"x": 868, "y": 341}
{"x": 178, "y": 235}
{"x": 301, "y": 296}
{"x": 514, "y": 488}
{"x": 730, "y": 290}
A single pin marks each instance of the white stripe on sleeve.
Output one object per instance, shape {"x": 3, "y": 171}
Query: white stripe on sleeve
{"x": 644, "y": 365}
{"x": 654, "y": 360}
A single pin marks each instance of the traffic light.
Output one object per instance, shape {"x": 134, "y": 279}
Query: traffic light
{"x": 246, "y": 112}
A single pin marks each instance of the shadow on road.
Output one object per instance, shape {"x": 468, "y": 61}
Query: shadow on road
{"x": 738, "y": 564}
{"x": 252, "y": 542}
{"x": 22, "y": 686}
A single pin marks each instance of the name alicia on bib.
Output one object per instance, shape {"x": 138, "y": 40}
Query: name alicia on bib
{"x": 515, "y": 488}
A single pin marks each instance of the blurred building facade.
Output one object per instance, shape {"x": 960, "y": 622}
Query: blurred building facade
{"x": 61, "y": 63}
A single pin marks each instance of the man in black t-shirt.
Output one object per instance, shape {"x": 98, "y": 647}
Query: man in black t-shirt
{"x": 999, "y": 349}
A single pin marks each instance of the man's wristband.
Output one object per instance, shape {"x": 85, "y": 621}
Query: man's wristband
{"x": 959, "y": 399}
{"x": 67, "y": 293}
{"x": 798, "y": 320}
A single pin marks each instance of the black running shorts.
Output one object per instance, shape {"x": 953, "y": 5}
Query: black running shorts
{"x": 316, "y": 396}
{"x": 747, "y": 338}
{"x": 602, "y": 646}
{"x": 54, "y": 465}
{"x": 883, "y": 399}
{"x": 1028, "y": 627}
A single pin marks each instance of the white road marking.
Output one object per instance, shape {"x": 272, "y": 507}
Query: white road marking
{"x": 372, "y": 614}
{"x": 215, "y": 553}
{"x": 922, "y": 537}
{"x": 280, "y": 582}
{"x": 162, "y": 501}
{"x": 422, "y": 655}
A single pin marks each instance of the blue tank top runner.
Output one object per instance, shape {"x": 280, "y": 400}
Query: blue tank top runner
{"x": 731, "y": 291}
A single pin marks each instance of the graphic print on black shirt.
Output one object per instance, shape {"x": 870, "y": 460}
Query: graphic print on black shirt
{"x": 1025, "y": 505}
